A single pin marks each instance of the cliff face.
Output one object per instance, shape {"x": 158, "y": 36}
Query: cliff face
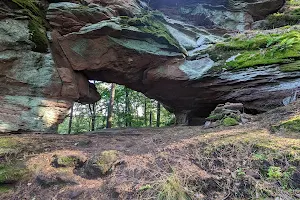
{"x": 181, "y": 58}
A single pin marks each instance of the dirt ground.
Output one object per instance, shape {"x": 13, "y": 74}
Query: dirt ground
{"x": 200, "y": 163}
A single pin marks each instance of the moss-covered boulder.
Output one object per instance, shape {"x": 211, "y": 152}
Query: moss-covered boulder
{"x": 67, "y": 161}
{"x": 101, "y": 164}
{"x": 229, "y": 114}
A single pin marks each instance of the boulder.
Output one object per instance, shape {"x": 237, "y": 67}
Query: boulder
{"x": 101, "y": 164}
{"x": 228, "y": 114}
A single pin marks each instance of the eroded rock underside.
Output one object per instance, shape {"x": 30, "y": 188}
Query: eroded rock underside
{"x": 179, "y": 56}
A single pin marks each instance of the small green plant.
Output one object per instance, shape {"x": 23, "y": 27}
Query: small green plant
{"x": 145, "y": 187}
{"x": 240, "y": 172}
{"x": 259, "y": 156}
{"x": 172, "y": 189}
{"x": 286, "y": 177}
{"x": 274, "y": 173}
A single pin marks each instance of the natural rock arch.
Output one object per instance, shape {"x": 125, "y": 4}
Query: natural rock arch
{"x": 168, "y": 60}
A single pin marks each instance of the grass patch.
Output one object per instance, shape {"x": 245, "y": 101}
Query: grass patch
{"x": 11, "y": 173}
{"x": 172, "y": 189}
{"x": 292, "y": 124}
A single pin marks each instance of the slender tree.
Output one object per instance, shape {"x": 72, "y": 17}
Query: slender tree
{"x": 111, "y": 106}
{"x": 150, "y": 118}
{"x": 127, "y": 108}
{"x": 158, "y": 114}
{"x": 145, "y": 112}
{"x": 92, "y": 109}
{"x": 71, "y": 119}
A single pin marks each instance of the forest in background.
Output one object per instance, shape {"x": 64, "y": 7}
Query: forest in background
{"x": 119, "y": 107}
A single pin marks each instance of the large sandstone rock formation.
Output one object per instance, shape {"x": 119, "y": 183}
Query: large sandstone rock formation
{"x": 34, "y": 94}
{"x": 189, "y": 69}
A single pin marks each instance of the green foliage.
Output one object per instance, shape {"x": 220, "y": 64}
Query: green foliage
{"x": 240, "y": 172}
{"x": 274, "y": 173}
{"x": 228, "y": 121}
{"x": 11, "y": 173}
{"x": 292, "y": 124}
{"x": 263, "y": 50}
{"x": 135, "y": 117}
{"x": 36, "y": 24}
{"x": 172, "y": 189}
{"x": 67, "y": 161}
{"x": 217, "y": 116}
{"x": 150, "y": 22}
{"x": 293, "y": 2}
{"x": 258, "y": 156}
{"x": 145, "y": 187}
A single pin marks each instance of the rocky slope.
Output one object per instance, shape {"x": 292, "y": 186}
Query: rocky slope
{"x": 181, "y": 58}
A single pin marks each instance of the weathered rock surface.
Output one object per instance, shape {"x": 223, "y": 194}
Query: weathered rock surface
{"x": 34, "y": 94}
{"x": 177, "y": 75}
{"x": 228, "y": 114}
{"x": 225, "y": 14}
{"x": 168, "y": 59}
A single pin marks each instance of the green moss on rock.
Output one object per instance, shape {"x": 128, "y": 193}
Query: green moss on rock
{"x": 228, "y": 121}
{"x": 262, "y": 50}
{"x": 290, "y": 67}
{"x": 150, "y": 23}
{"x": 283, "y": 19}
{"x": 36, "y": 24}
{"x": 106, "y": 160}
{"x": 101, "y": 164}
{"x": 38, "y": 36}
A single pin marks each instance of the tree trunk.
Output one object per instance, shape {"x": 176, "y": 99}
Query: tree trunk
{"x": 92, "y": 108}
{"x": 111, "y": 106}
{"x": 127, "y": 108}
{"x": 150, "y": 118}
{"x": 71, "y": 119}
{"x": 158, "y": 115}
{"x": 145, "y": 112}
